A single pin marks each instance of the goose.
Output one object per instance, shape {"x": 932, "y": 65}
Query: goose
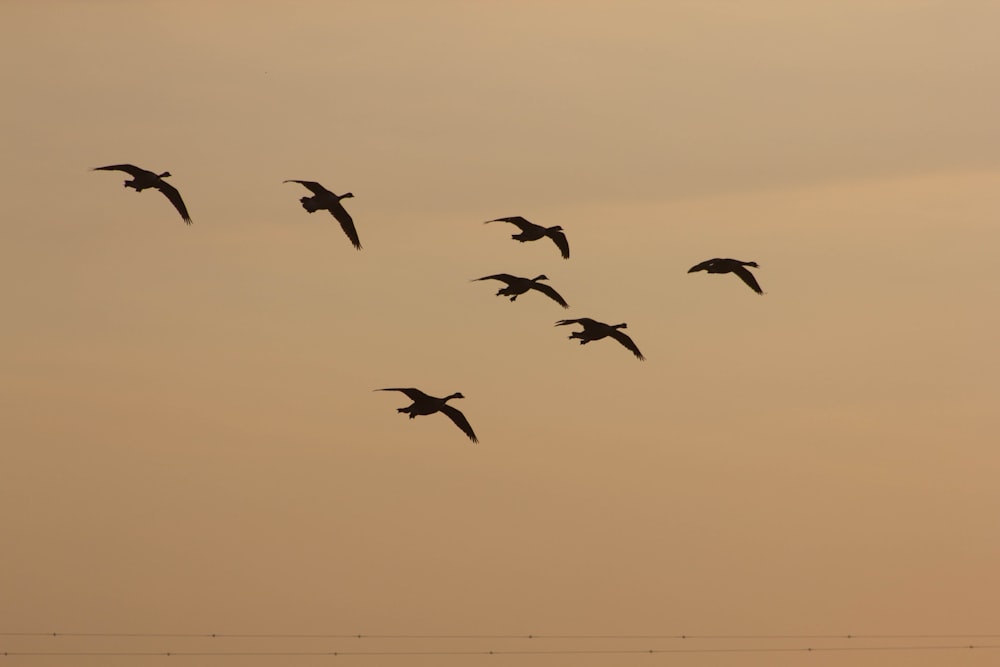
{"x": 719, "y": 265}
{"x": 324, "y": 199}
{"x": 142, "y": 180}
{"x": 532, "y": 232}
{"x": 594, "y": 330}
{"x": 428, "y": 405}
{"x": 517, "y": 286}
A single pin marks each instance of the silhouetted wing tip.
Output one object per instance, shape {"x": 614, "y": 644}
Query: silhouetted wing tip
{"x": 347, "y": 224}
{"x": 748, "y": 278}
{"x": 505, "y": 277}
{"x": 561, "y": 242}
{"x": 551, "y": 293}
{"x": 523, "y": 223}
{"x": 174, "y": 196}
{"x": 414, "y": 393}
{"x": 312, "y": 186}
{"x": 128, "y": 168}
{"x": 460, "y": 421}
{"x": 627, "y": 342}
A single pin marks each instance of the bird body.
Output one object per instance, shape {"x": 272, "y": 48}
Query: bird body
{"x": 424, "y": 404}
{"x": 532, "y": 232}
{"x": 594, "y": 330}
{"x": 323, "y": 199}
{"x": 720, "y": 265}
{"x": 517, "y": 286}
{"x": 143, "y": 180}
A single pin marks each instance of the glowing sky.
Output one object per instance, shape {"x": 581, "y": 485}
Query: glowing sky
{"x": 191, "y": 443}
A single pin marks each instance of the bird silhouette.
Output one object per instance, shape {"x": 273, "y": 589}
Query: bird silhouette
{"x": 719, "y": 265}
{"x": 424, "y": 404}
{"x": 326, "y": 200}
{"x": 532, "y": 232}
{"x": 517, "y": 286}
{"x": 142, "y": 180}
{"x": 594, "y": 330}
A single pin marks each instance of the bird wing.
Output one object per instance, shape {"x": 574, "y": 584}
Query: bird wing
{"x": 586, "y": 322}
{"x": 506, "y": 277}
{"x": 175, "y": 198}
{"x": 627, "y": 342}
{"x": 313, "y": 186}
{"x": 560, "y": 240}
{"x": 748, "y": 278}
{"x": 551, "y": 293}
{"x": 414, "y": 394}
{"x": 346, "y": 223}
{"x": 524, "y": 224}
{"x": 701, "y": 267}
{"x": 128, "y": 168}
{"x": 456, "y": 416}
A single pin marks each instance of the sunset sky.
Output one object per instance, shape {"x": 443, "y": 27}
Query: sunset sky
{"x": 191, "y": 443}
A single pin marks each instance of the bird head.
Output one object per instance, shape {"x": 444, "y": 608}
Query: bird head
{"x": 346, "y": 195}
{"x": 541, "y": 277}
{"x": 457, "y": 394}
{"x": 164, "y": 174}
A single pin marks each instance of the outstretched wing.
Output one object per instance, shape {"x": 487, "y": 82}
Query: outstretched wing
{"x": 524, "y": 224}
{"x": 627, "y": 342}
{"x": 414, "y": 394}
{"x": 748, "y": 278}
{"x": 703, "y": 266}
{"x": 313, "y": 186}
{"x": 560, "y": 240}
{"x": 175, "y": 198}
{"x": 551, "y": 293}
{"x": 460, "y": 421}
{"x": 346, "y": 223}
{"x": 127, "y": 168}
{"x": 506, "y": 277}
{"x": 585, "y": 321}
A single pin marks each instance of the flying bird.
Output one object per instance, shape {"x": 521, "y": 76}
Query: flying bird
{"x": 428, "y": 405}
{"x": 718, "y": 265}
{"x": 517, "y": 286}
{"x": 142, "y": 180}
{"x": 532, "y": 232}
{"x": 324, "y": 199}
{"x": 594, "y": 330}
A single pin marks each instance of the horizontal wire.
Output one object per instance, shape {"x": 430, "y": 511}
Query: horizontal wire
{"x": 289, "y": 654}
{"x": 573, "y": 637}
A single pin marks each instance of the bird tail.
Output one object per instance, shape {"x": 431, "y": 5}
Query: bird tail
{"x": 309, "y": 204}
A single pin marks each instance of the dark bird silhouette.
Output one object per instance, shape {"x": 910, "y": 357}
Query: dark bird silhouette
{"x": 594, "y": 330}
{"x": 326, "y": 200}
{"x": 718, "y": 265}
{"x": 142, "y": 180}
{"x": 517, "y": 286}
{"x": 428, "y": 405}
{"x": 532, "y": 232}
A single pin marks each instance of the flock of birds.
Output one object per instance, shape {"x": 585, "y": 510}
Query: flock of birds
{"x": 424, "y": 404}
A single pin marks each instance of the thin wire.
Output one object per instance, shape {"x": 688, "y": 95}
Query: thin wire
{"x": 290, "y": 654}
{"x": 574, "y": 637}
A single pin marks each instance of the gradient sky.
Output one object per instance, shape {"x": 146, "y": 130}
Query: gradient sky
{"x": 191, "y": 443}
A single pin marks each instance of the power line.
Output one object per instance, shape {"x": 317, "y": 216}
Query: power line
{"x": 569, "y": 637}
{"x": 502, "y": 652}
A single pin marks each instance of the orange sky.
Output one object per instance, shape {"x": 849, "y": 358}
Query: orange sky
{"x": 191, "y": 440}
